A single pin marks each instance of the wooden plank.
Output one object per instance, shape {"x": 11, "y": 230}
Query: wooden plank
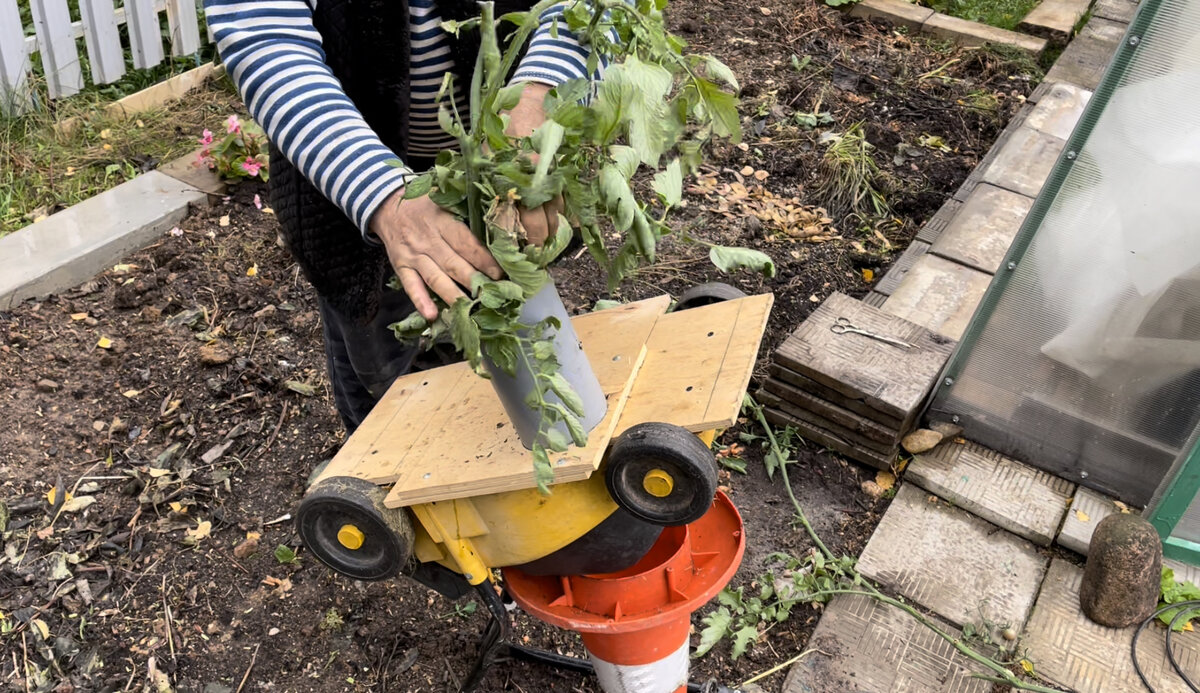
{"x": 443, "y": 433}
{"x": 103, "y": 40}
{"x": 14, "y": 61}
{"x": 698, "y": 365}
{"x": 856, "y": 424}
{"x": 184, "y": 27}
{"x": 56, "y": 47}
{"x": 816, "y": 434}
{"x": 145, "y": 36}
{"x": 834, "y": 397}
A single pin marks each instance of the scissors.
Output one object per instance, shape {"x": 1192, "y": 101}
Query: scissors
{"x": 843, "y": 325}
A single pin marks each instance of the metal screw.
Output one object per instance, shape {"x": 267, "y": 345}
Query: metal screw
{"x": 949, "y": 381}
{"x": 468, "y": 576}
{"x": 955, "y": 419}
{"x": 1071, "y": 155}
{"x": 1012, "y": 266}
{"x": 1134, "y": 40}
{"x": 1083, "y": 475}
{"x": 427, "y": 475}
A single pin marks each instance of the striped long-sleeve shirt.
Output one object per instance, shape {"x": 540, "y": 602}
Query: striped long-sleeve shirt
{"x": 273, "y": 53}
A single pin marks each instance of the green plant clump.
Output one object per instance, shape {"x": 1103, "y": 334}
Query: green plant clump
{"x": 655, "y": 108}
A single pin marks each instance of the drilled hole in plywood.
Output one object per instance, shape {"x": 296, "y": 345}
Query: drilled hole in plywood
{"x": 617, "y": 358}
{"x": 711, "y": 334}
{"x": 689, "y": 388}
{"x": 427, "y": 475}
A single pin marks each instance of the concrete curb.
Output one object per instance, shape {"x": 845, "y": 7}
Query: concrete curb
{"x": 71, "y": 246}
{"x": 926, "y": 21}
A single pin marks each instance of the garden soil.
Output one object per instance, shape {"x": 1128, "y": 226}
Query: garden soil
{"x": 181, "y": 398}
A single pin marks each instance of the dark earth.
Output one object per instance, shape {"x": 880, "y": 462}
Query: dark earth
{"x": 183, "y": 394}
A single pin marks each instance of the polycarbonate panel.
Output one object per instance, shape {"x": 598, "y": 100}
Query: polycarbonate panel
{"x": 1089, "y": 365}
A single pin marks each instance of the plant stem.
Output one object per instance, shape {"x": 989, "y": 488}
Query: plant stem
{"x": 870, "y": 590}
{"x": 777, "y": 667}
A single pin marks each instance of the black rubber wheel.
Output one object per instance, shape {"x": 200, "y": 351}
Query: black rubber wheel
{"x": 645, "y": 457}
{"x": 707, "y": 294}
{"x": 343, "y": 521}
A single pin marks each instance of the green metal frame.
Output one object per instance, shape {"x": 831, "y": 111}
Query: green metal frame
{"x": 1182, "y": 483}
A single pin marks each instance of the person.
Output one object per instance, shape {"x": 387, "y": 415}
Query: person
{"x": 343, "y": 88}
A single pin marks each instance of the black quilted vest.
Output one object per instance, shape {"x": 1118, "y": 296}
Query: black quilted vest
{"x": 366, "y": 46}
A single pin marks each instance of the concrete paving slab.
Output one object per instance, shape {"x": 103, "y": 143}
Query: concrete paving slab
{"x": 976, "y": 175}
{"x": 960, "y": 567}
{"x": 1054, "y": 19}
{"x": 1069, "y": 649}
{"x": 874, "y": 299}
{"x": 829, "y": 412}
{"x": 969, "y": 33}
{"x": 1085, "y": 59}
{"x": 834, "y": 397}
{"x": 939, "y": 221}
{"x": 1026, "y": 501}
{"x": 201, "y": 178}
{"x": 863, "y": 646}
{"x": 1115, "y": 10}
{"x": 887, "y": 378}
{"x": 1025, "y": 161}
{"x": 825, "y": 437}
{"x": 67, "y": 248}
{"x": 982, "y": 231}
{"x": 901, "y": 267}
{"x": 897, "y": 12}
{"x": 939, "y": 294}
{"x": 1086, "y": 511}
{"x": 1059, "y": 110}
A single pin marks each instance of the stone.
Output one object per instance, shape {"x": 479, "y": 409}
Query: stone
{"x": 1073, "y": 652}
{"x": 1115, "y": 10}
{"x": 896, "y": 12}
{"x": 872, "y": 488}
{"x": 1122, "y": 578}
{"x": 830, "y": 440}
{"x": 214, "y": 355}
{"x": 863, "y": 646}
{"x": 1021, "y": 499}
{"x": 1087, "y": 57}
{"x": 952, "y": 563}
{"x": 1059, "y": 110}
{"x": 1054, "y": 19}
{"x": 46, "y": 385}
{"x": 70, "y": 247}
{"x": 886, "y": 378}
{"x": 947, "y": 429}
{"x": 1024, "y": 163}
{"x": 969, "y": 33}
{"x": 940, "y": 295}
{"x": 901, "y": 267}
{"x": 1087, "y": 509}
{"x": 979, "y": 236}
{"x": 921, "y": 440}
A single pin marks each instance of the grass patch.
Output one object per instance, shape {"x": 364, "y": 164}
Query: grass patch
{"x": 43, "y": 170}
{"x": 849, "y": 176}
{"x": 1004, "y": 14}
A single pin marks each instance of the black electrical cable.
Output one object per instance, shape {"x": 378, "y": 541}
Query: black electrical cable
{"x": 1187, "y": 607}
{"x": 1171, "y": 652}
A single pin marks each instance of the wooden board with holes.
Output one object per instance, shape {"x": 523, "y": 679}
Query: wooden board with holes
{"x": 443, "y": 433}
{"x": 698, "y": 365}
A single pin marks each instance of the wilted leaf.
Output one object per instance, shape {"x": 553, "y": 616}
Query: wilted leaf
{"x": 285, "y": 554}
{"x": 40, "y": 627}
{"x": 301, "y": 388}
{"x": 201, "y": 531}
{"x": 868, "y": 275}
{"x": 729, "y": 259}
{"x": 1027, "y": 666}
{"x": 885, "y": 480}
{"x": 224, "y": 220}
{"x": 74, "y": 505}
{"x": 104, "y": 343}
{"x": 79, "y": 316}
{"x": 1082, "y": 516}
{"x": 252, "y": 271}
{"x": 130, "y": 394}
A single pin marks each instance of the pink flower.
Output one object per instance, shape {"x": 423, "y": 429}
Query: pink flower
{"x": 232, "y": 125}
{"x": 206, "y": 137}
{"x": 258, "y": 202}
{"x": 205, "y": 159}
{"x": 251, "y": 166}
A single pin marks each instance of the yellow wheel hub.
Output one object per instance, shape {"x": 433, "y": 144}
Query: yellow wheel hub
{"x": 351, "y": 537}
{"x": 658, "y": 483}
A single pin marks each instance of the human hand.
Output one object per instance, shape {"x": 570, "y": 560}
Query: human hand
{"x": 539, "y": 223}
{"x": 430, "y": 249}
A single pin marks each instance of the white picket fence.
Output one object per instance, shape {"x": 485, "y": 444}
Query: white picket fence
{"x": 56, "y": 43}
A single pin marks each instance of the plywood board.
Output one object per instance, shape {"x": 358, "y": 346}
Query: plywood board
{"x": 443, "y": 433}
{"x": 698, "y": 365}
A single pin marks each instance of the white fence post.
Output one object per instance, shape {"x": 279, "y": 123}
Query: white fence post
{"x": 14, "y": 61}
{"x": 144, "y": 34}
{"x": 60, "y": 57}
{"x": 185, "y": 29}
{"x": 105, "y": 53}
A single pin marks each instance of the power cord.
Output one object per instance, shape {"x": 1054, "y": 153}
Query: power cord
{"x": 1185, "y": 608}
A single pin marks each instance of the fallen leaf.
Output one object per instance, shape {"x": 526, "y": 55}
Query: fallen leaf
{"x": 140, "y": 124}
{"x": 743, "y": 146}
{"x": 1187, "y": 627}
{"x": 104, "y": 343}
{"x": 178, "y": 507}
{"x": 41, "y": 628}
{"x": 281, "y": 585}
{"x": 107, "y": 147}
{"x": 224, "y": 220}
{"x": 885, "y": 480}
{"x": 765, "y": 10}
{"x": 252, "y": 271}
{"x": 156, "y": 472}
{"x": 301, "y": 388}
{"x": 761, "y": 175}
{"x": 868, "y": 275}
{"x": 268, "y": 210}
{"x": 1125, "y": 511}
{"x": 1082, "y": 516}
{"x": 1027, "y": 666}
{"x": 105, "y": 133}
{"x": 201, "y": 531}
{"x": 130, "y": 394}
{"x": 52, "y": 495}
{"x": 74, "y": 505}
{"x": 79, "y": 316}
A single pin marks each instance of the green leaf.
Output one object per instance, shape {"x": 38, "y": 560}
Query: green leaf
{"x": 720, "y": 71}
{"x": 416, "y": 187}
{"x": 617, "y": 196}
{"x": 543, "y": 472}
{"x": 742, "y": 640}
{"x": 543, "y": 350}
{"x": 575, "y": 427}
{"x": 284, "y": 554}
{"x": 668, "y": 183}
{"x": 409, "y": 328}
{"x": 722, "y": 108}
{"x": 566, "y": 393}
{"x": 605, "y": 304}
{"x": 626, "y": 159}
{"x": 515, "y": 264}
{"x": 497, "y": 294}
{"x": 716, "y": 625}
{"x": 729, "y": 259}
{"x": 508, "y": 97}
{"x": 502, "y": 349}
{"x": 464, "y": 331}
{"x": 556, "y": 440}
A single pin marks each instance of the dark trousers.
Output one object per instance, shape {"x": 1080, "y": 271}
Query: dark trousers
{"x": 365, "y": 358}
